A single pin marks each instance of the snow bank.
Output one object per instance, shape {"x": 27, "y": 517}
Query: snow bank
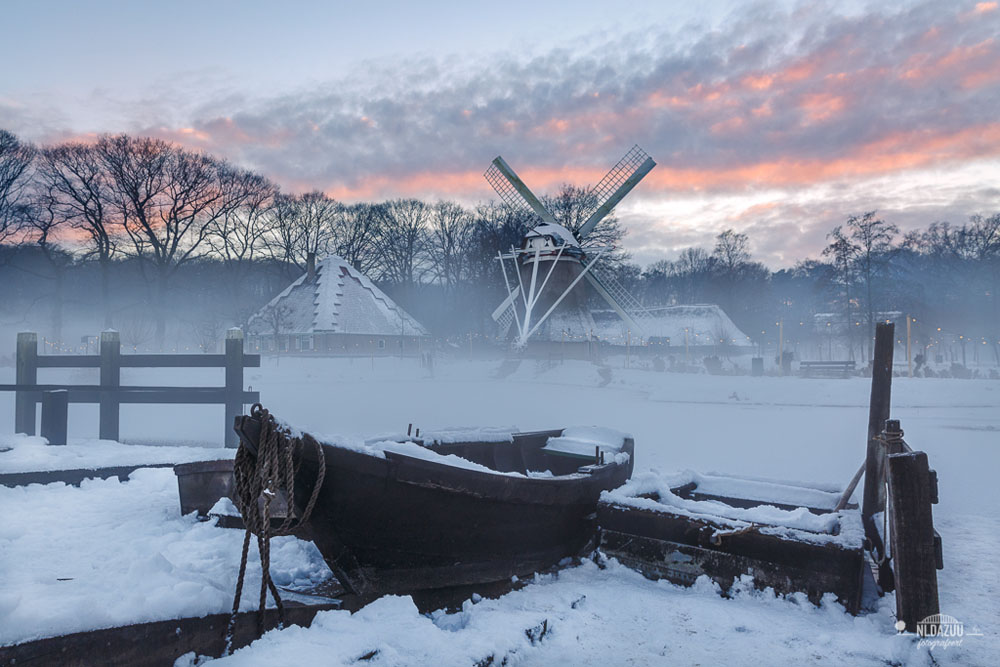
{"x": 34, "y": 454}
{"x": 589, "y": 616}
{"x": 111, "y": 553}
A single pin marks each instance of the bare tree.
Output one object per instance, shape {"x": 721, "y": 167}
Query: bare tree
{"x": 449, "y": 241}
{"x": 77, "y": 186}
{"x": 302, "y": 224}
{"x": 16, "y": 158}
{"x": 238, "y": 238}
{"x": 167, "y": 200}
{"x": 732, "y": 251}
{"x": 402, "y": 242}
{"x": 356, "y": 232}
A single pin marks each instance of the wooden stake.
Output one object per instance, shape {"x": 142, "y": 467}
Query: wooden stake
{"x": 878, "y": 413}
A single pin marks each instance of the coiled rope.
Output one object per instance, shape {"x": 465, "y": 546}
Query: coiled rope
{"x": 259, "y": 480}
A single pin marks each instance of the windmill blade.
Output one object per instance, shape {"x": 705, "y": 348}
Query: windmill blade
{"x": 616, "y": 184}
{"x": 507, "y": 304}
{"x": 619, "y": 298}
{"x": 509, "y": 185}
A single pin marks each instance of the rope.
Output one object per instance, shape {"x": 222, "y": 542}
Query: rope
{"x": 259, "y": 480}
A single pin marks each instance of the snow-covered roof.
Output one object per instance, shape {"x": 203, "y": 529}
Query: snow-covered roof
{"x": 555, "y": 231}
{"x": 340, "y": 300}
{"x": 706, "y": 324}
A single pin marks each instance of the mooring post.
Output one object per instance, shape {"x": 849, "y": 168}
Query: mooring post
{"x": 26, "y": 373}
{"x": 878, "y": 412}
{"x": 55, "y": 415}
{"x": 111, "y": 380}
{"x": 913, "y": 542}
{"x": 234, "y": 383}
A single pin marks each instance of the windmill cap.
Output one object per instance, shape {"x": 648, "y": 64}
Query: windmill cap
{"x": 555, "y": 231}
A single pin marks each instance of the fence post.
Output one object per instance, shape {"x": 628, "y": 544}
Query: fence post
{"x": 55, "y": 414}
{"x": 913, "y": 544}
{"x": 234, "y": 383}
{"x": 878, "y": 412}
{"x": 111, "y": 353}
{"x": 26, "y": 373}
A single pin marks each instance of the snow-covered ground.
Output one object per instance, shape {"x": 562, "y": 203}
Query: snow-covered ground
{"x": 127, "y": 555}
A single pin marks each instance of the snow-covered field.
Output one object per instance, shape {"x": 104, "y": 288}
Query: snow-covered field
{"x": 109, "y": 552}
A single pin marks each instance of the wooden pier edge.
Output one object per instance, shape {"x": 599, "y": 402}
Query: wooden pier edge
{"x": 155, "y": 643}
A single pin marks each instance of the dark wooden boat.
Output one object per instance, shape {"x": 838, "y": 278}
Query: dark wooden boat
{"x": 402, "y": 524}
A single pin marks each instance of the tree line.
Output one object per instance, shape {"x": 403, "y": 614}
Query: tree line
{"x": 142, "y": 230}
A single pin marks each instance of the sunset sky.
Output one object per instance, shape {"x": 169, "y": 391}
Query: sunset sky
{"x": 778, "y": 119}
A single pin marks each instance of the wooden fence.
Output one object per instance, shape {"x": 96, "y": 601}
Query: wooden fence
{"x": 110, "y": 394}
{"x": 899, "y": 490}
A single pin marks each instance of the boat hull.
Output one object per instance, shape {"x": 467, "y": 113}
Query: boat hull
{"x": 400, "y": 524}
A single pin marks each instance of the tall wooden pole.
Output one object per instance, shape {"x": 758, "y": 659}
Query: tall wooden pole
{"x": 878, "y": 411}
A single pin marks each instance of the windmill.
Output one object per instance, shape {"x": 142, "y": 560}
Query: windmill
{"x": 545, "y": 294}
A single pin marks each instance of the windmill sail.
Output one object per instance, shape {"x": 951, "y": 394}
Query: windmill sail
{"x": 513, "y": 191}
{"x": 619, "y": 298}
{"x": 615, "y": 185}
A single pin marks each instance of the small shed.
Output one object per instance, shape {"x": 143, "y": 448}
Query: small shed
{"x": 334, "y": 308}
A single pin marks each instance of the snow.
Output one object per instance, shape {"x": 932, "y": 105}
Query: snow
{"x": 589, "y": 616}
{"x": 471, "y": 434}
{"x": 585, "y": 440}
{"x": 32, "y": 454}
{"x": 758, "y": 428}
{"x": 711, "y": 510}
{"x": 112, "y": 553}
{"x": 340, "y": 300}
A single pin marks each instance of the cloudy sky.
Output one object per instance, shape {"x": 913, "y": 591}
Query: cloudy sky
{"x": 779, "y": 119}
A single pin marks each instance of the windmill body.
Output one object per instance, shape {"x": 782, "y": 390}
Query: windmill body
{"x": 550, "y": 275}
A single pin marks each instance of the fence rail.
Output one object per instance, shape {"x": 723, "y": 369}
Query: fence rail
{"x": 110, "y": 394}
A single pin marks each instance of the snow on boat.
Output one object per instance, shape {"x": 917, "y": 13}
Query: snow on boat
{"x": 453, "y": 509}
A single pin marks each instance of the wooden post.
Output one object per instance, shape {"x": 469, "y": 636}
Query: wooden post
{"x": 111, "y": 380}
{"x": 234, "y": 384}
{"x": 55, "y": 415}
{"x": 913, "y": 546}
{"x": 909, "y": 358}
{"x": 878, "y": 412}
{"x": 781, "y": 345}
{"x": 26, "y": 373}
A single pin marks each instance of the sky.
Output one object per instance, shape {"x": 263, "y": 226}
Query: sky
{"x": 777, "y": 119}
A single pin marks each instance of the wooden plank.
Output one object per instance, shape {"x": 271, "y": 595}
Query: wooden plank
{"x": 914, "y": 551}
{"x": 873, "y": 500}
{"x": 156, "y": 643}
{"x": 145, "y": 361}
{"x": 169, "y": 395}
{"x": 69, "y": 361}
{"x": 683, "y": 564}
{"x": 73, "y": 477}
{"x": 184, "y": 361}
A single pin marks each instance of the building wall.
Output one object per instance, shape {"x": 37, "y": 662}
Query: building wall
{"x": 338, "y": 344}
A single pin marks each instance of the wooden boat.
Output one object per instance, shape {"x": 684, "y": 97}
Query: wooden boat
{"x": 390, "y": 522}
